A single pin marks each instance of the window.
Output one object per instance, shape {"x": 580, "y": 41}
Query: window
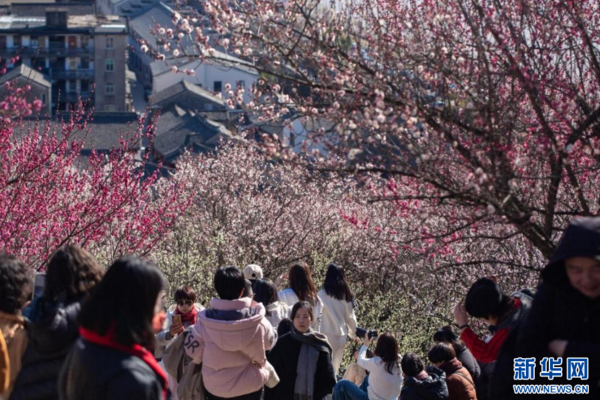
{"x": 110, "y": 43}
{"x": 85, "y": 42}
{"x": 85, "y": 63}
{"x": 43, "y": 98}
{"x": 110, "y": 108}
{"x": 85, "y": 86}
{"x": 242, "y": 84}
{"x": 110, "y": 65}
{"x": 17, "y": 41}
{"x": 218, "y": 86}
{"x": 72, "y": 86}
{"x": 34, "y": 42}
{"x": 72, "y": 64}
{"x": 110, "y": 89}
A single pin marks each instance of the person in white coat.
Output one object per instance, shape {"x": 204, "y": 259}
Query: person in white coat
{"x": 302, "y": 288}
{"x": 385, "y": 374}
{"x": 265, "y": 292}
{"x": 339, "y": 320}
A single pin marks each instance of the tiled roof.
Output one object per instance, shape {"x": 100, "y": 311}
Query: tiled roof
{"x": 27, "y": 73}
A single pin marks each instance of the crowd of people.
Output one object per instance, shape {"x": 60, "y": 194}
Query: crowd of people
{"x": 105, "y": 334}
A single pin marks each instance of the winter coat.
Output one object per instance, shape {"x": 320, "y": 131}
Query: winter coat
{"x": 433, "y": 387}
{"x": 289, "y": 297}
{"x": 94, "y": 372}
{"x": 52, "y": 332}
{"x": 230, "y": 340}
{"x": 338, "y": 316}
{"x": 469, "y": 362}
{"x": 12, "y": 329}
{"x": 284, "y": 358}
{"x": 278, "y": 310}
{"x": 561, "y": 312}
{"x": 459, "y": 381}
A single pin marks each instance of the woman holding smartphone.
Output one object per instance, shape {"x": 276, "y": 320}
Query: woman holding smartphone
{"x": 182, "y": 314}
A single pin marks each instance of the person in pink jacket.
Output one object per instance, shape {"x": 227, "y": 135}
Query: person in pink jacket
{"x": 230, "y": 339}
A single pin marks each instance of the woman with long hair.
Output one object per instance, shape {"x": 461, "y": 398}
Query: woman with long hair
{"x": 302, "y": 360}
{"x": 385, "y": 376}
{"x": 113, "y": 357}
{"x": 339, "y": 320}
{"x": 302, "y": 288}
{"x": 70, "y": 276}
{"x": 265, "y": 292}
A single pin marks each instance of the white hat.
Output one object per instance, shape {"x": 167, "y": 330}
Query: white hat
{"x": 253, "y": 272}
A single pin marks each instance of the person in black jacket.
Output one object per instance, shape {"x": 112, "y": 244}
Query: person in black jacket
{"x": 420, "y": 384}
{"x": 71, "y": 273}
{"x": 464, "y": 355}
{"x": 302, "y": 360}
{"x": 564, "y": 320}
{"x": 112, "y": 360}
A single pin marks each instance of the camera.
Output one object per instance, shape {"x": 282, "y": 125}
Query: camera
{"x": 361, "y": 332}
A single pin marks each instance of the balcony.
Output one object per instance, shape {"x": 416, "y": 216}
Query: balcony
{"x": 71, "y": 97}
{"x": 72, "y": 74}
{"x": 56, "y": 51}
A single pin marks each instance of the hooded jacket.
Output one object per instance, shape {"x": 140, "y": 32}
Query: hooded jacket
{"x": 559, "y": 311}
{"x": 230, "y": 340}
{"x": 460, "y": 383}
{"x": 433, "y": 387}
{"x": 52, "y": 332}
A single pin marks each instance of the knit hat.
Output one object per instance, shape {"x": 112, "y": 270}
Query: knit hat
{"x": 253, "y": 272}
{"x": 483, "y": 298}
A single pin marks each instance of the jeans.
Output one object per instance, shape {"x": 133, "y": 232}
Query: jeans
{"x": 346, "y": 390}
{"x": 249, "y": 396}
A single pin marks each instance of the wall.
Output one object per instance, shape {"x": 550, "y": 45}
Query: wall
{"x": 116, "y": 102}
{"x": 206, "y": 75}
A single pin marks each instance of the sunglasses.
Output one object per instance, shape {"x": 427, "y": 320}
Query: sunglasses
{"x": 185, "y": 302}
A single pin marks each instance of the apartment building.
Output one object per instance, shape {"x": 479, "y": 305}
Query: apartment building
{"x": 83, "y": 54}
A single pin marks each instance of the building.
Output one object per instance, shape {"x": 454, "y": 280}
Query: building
{"x": 212, "y": 74}
{"x": 22, "y": 76}
{"x": 82, "y": 53}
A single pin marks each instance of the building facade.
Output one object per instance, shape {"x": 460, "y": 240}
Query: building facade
{"x": 81, "y": 53}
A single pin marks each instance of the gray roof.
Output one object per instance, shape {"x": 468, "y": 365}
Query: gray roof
{"x": 220, "y": 59}
{"x": 178, "y": 130}
{"x": 102, "y": 134}
{"x": 188, "y": 96}
{"x": 141, "y": 25}
{"x": 27, "y": 73}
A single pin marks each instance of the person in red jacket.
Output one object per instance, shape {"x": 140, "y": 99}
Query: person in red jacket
{"x": 486, "y": 302}
{"x": 458, "y": 379}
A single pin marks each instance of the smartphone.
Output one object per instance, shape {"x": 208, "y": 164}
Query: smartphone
{"x": 39, "y": 283}
{"x": 177, "y": 320}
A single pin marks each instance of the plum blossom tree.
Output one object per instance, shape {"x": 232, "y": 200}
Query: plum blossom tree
{"x": 250, "y": 208}
{"x": 49, "y": 197}
{"x": 481, "y": 116}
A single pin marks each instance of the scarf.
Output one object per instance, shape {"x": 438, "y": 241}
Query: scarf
{"x": 135, "y": 350}
{"x": 188, "y": 318}
{"x": 312, "y": 344}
